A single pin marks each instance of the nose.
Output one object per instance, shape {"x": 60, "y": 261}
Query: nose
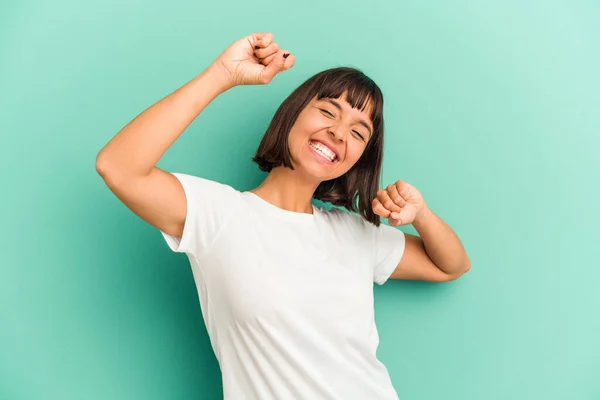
{"x": 336, "y": 132}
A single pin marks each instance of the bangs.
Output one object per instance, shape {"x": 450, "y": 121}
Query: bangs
{"x": 361, "y": 92}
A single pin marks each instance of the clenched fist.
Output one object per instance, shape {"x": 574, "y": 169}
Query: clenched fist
{"x": 399, "y": 202}
{"x": 253, "y": 60}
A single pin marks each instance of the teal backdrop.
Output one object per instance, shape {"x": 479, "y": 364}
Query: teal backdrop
{"x": 492, "y": 111}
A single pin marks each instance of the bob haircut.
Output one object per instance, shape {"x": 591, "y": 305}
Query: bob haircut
{"x": 356, "y": 189}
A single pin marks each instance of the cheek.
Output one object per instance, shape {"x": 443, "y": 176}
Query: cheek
{"x": 302, "y": 131}
{"x": 296, "y": 140}
{"x": 353, "y": 153}
{"x": 309, "y": 122}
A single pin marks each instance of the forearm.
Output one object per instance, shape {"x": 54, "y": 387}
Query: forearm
{"x": 442, "y": 245}
{"x": 138, "y": 146}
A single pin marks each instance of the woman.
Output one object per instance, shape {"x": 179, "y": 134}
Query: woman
{"x": 285, "y": 287}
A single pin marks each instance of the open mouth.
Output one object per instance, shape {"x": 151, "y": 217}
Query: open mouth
{"x": 323, "y": 151}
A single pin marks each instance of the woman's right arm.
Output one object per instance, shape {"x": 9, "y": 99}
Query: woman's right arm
{"x": 127, "y": 162}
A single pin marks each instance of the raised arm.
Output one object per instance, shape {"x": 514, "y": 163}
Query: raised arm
{"x": 127, "y": 162}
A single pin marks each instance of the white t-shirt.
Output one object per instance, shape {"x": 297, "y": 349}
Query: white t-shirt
{"x": 287, "y": 297}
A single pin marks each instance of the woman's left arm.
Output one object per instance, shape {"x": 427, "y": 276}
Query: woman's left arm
{"x": 437, "y": 254}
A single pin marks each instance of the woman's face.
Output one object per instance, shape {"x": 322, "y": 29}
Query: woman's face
{"x": 328, "y": 137}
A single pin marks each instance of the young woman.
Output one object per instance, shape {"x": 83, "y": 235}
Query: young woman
{"x": 286, "y": 287}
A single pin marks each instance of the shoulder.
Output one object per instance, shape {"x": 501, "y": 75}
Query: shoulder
{"x": 208, "y": 195}
{"x": 348, "y": 221}
{"x": 356, "y": 224}
{"x": 197, "y": 186}
{"x": 197, "y": 182}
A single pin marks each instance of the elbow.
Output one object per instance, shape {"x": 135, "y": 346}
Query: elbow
{"x": 101, "y": 164}
{"x": 106, "y": 169}
{"x": 113, "y": 168}
{"x": 466, "y": 268}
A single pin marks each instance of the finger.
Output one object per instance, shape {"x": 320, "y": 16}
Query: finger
{"x": 394, "y": 221}
{"x": 268, "y": 52}
{"x": 395, "y": 218}
{"x": 266, "y": 61}
{"x": 387, "y": 202}
{"x": 289, "y": 62}
{"x": 395, "y": 195}
{"x": 379, "y": 209}
{"x": 262, "y": 39}
{"x": 404, "y": 217}
{"x": 278, "y": 64}
{"x": 403, "y": 188}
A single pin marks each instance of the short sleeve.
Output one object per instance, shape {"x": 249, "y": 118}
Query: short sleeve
{"x": 209, "y": 204}
{"x": 384, "y": 244}
{"x": 388, "y": 244}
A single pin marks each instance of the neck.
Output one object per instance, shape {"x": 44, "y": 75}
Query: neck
{"x": 288, "y": 190}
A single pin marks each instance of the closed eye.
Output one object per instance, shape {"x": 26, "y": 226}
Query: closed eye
{"x": 325, "y": 111}
{"x": 361, "y": 136}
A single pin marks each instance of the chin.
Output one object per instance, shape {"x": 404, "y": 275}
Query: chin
{"x": 319, "y": 173}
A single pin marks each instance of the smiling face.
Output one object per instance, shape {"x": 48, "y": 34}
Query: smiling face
{"x": 329, "y": 137}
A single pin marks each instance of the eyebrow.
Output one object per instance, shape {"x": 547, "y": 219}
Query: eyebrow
{"x": 362, "y": 122}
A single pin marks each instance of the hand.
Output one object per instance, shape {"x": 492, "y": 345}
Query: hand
{"x": 400, "y": 202}
{"x": 253, "y": 60}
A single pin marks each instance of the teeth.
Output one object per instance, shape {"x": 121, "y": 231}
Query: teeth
{"x": 323, "y": 150}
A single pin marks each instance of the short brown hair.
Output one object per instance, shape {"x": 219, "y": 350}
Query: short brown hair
{"x": 356, "y": 188}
